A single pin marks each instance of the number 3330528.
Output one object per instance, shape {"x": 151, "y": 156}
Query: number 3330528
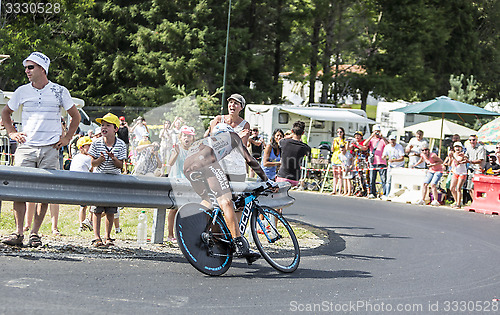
{"x": 31, "y": 8}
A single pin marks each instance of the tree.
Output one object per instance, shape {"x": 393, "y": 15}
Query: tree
{"x": 467, "y": 95}
{"x": 421, "y": 43}
{"x": 23, "y": 33}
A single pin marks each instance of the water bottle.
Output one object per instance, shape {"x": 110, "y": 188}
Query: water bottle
{"x": 142, "y": 228}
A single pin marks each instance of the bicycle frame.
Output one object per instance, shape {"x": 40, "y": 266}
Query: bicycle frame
{"x": 250, "y": 207}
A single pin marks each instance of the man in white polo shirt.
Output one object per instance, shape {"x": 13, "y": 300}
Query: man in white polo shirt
{"x": 395, "y": 156}
{"x": 414, "y": 149}
{"x": 41, "y": 136}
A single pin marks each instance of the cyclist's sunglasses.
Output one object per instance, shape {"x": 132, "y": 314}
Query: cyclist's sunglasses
{"x": 30, "y": 67}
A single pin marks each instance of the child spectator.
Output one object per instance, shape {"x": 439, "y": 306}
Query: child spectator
{"x": 345, "y": 158}
{"x": 459, "y": 171}
{"x": 176, "y": 162}
{"x": 148, "y": 160}
{"x": 108, "y": 154}
{"x": 82, "y": 162}
{"x": 179, "y": 152}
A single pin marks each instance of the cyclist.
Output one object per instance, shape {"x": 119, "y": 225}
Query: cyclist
{"x": 203, "y": 170}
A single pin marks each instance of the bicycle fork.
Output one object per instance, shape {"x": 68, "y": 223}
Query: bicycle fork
{"x": 273, "y": 230}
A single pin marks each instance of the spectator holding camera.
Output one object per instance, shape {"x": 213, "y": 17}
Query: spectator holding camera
{"x": 376, "y": 144}
{"x": 395, "y": 155}
{"x": 414, "y": 149}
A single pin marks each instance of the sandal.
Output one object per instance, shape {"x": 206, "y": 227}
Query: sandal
{"x": 56, "y": 232}
{"x": 109, "y": 242}
{"x": 35, "y": 241}
{"x": 13, "y": 239}
{"x": 98, "y": 243}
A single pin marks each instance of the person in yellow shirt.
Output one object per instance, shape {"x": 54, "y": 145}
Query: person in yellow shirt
{"x": 336, "y": 163}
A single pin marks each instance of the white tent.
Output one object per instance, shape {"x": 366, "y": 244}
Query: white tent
{"x": 432, "y": 129}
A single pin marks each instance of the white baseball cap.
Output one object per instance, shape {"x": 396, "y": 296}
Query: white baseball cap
{"x": 40, "y": 59}
{"x": 376, "y": 127}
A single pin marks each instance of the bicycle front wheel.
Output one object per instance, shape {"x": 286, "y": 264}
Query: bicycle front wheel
{"x": 206, "y": 246}
{"x": 275, "y": 239}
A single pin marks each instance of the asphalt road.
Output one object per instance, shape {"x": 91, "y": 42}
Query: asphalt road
{"x": 381, "y": 257}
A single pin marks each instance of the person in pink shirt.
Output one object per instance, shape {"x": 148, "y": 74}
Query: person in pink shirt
{"x": 434, "y": 174}
{"x": 376, "y": 144}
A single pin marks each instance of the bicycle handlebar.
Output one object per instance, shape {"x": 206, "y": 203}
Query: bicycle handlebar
{"x": 266, "y": 187}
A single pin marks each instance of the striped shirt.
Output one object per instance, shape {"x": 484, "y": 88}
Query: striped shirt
{"x": 41, "y": 111}
{"x": 119, "y": 149}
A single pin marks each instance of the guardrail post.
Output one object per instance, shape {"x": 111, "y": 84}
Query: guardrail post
{"x": 158, "y": 229}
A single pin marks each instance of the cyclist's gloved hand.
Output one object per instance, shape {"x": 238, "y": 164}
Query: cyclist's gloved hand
{"x": 271, "y": 183}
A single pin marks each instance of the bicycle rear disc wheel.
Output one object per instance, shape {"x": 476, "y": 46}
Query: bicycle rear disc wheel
{"x": 275, "y": 239}
{"x": 209, "y": 252}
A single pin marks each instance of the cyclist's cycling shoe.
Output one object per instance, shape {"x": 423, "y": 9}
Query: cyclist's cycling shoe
{"x": 242, "y": 250}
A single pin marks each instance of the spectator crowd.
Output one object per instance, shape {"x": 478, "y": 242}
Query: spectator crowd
{"x": 362, "y": 167}
{"x": 358, "y": 166}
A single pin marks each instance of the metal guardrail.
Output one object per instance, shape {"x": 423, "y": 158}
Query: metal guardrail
{"x": 77, "y": 188}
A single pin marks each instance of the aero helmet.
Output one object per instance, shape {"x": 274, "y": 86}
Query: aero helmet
{"x": 222, "y": 127}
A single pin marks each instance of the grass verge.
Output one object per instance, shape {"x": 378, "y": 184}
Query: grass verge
{"x": 68, "y": 222}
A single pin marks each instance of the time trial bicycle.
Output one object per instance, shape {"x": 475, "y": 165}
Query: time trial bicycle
{"x": 205, "y": 240}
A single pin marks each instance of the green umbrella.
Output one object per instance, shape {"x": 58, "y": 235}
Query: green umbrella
{"x": 445, "y": 107}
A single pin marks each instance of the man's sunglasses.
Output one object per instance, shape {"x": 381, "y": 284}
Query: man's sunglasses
{"x": 30, "y": 67}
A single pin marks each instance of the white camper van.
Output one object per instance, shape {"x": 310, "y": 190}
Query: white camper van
{"x": 395, "y": 121}
{"x": 321, "y": 120}
{"x": 85, "y": 123}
